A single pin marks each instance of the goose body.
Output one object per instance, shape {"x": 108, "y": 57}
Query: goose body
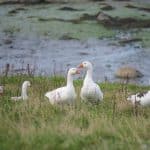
{"x": 140, "y": 98}
{"x": 90, "y": 91}
{"x": 24, "y": 95}
{"x": 64, "y": 94}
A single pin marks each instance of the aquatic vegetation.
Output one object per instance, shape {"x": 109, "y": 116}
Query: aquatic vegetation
{"x": 79, "y": 23}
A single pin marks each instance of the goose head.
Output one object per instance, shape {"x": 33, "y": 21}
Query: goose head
{"x": 26, "y": 84}
{"x": 73, "y": 71}
{"x": 85, "y": 64}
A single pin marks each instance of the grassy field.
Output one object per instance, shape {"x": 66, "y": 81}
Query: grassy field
{"x": 37, "y": 125}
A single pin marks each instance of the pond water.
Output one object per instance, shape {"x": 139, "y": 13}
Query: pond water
{"x": 56, "y": 56}
{"x": 31, "y": 35}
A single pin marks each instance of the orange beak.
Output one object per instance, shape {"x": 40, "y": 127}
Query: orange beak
{"x": 80, "y": 66}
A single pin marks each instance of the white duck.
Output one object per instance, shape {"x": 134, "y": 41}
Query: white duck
{"x": 64, "y": 94}
{"x": 90, "y": 91}
{"x": 24, "y": 95}
{"x": 140, "y": 98}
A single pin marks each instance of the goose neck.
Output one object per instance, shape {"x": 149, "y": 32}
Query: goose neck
{"x": 69, "y": 80}
{"x": 89, "y": 73}
{"x": 24, "y": 92}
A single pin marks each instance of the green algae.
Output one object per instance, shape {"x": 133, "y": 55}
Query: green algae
{"x": 31, "y": 22}
{"x": 49, "y": 20}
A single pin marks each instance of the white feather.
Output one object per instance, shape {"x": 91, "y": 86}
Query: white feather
{"x": 90, "y": 91}
{"x": 143, "y": 100}
{"x": 24, "y": 95}
{"x": 64, "y": 94}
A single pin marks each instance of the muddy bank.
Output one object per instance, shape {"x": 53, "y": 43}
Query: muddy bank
{"x": 128, "y": 22}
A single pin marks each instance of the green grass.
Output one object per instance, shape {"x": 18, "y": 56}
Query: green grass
{"x": 35, "y": 124}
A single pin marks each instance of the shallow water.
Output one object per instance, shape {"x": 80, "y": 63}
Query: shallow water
{"x": 25, "y": 39}
{"x": 56, "y": 56}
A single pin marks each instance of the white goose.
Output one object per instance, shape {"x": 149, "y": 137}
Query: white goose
{"x": 140, "y": 98}
{"x": 64, "y": 94}
{"x": 24, "y": 95}
{"x": 90, "y": 91}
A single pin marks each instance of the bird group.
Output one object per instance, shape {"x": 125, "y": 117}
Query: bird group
{"x": 90, "y": 91}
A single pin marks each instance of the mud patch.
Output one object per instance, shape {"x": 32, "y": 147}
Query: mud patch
{"x": 122, "y": 0}
{"x": 139, "y": 8}
{"x": 97, "y": 0}
{"x": 122, "y": 22}
{"x": 67, "y": 37}
{"x": 17, "y": 10}
{"x": 7, "y": 41}
{"x": 87, "y": 16}
{"x": 69, "y": 9}
{"x": 75, "y": 21}
{"x": 130, "y": 40}
{"x": 83, "y": 53}
{"x": 107, "y": 7}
